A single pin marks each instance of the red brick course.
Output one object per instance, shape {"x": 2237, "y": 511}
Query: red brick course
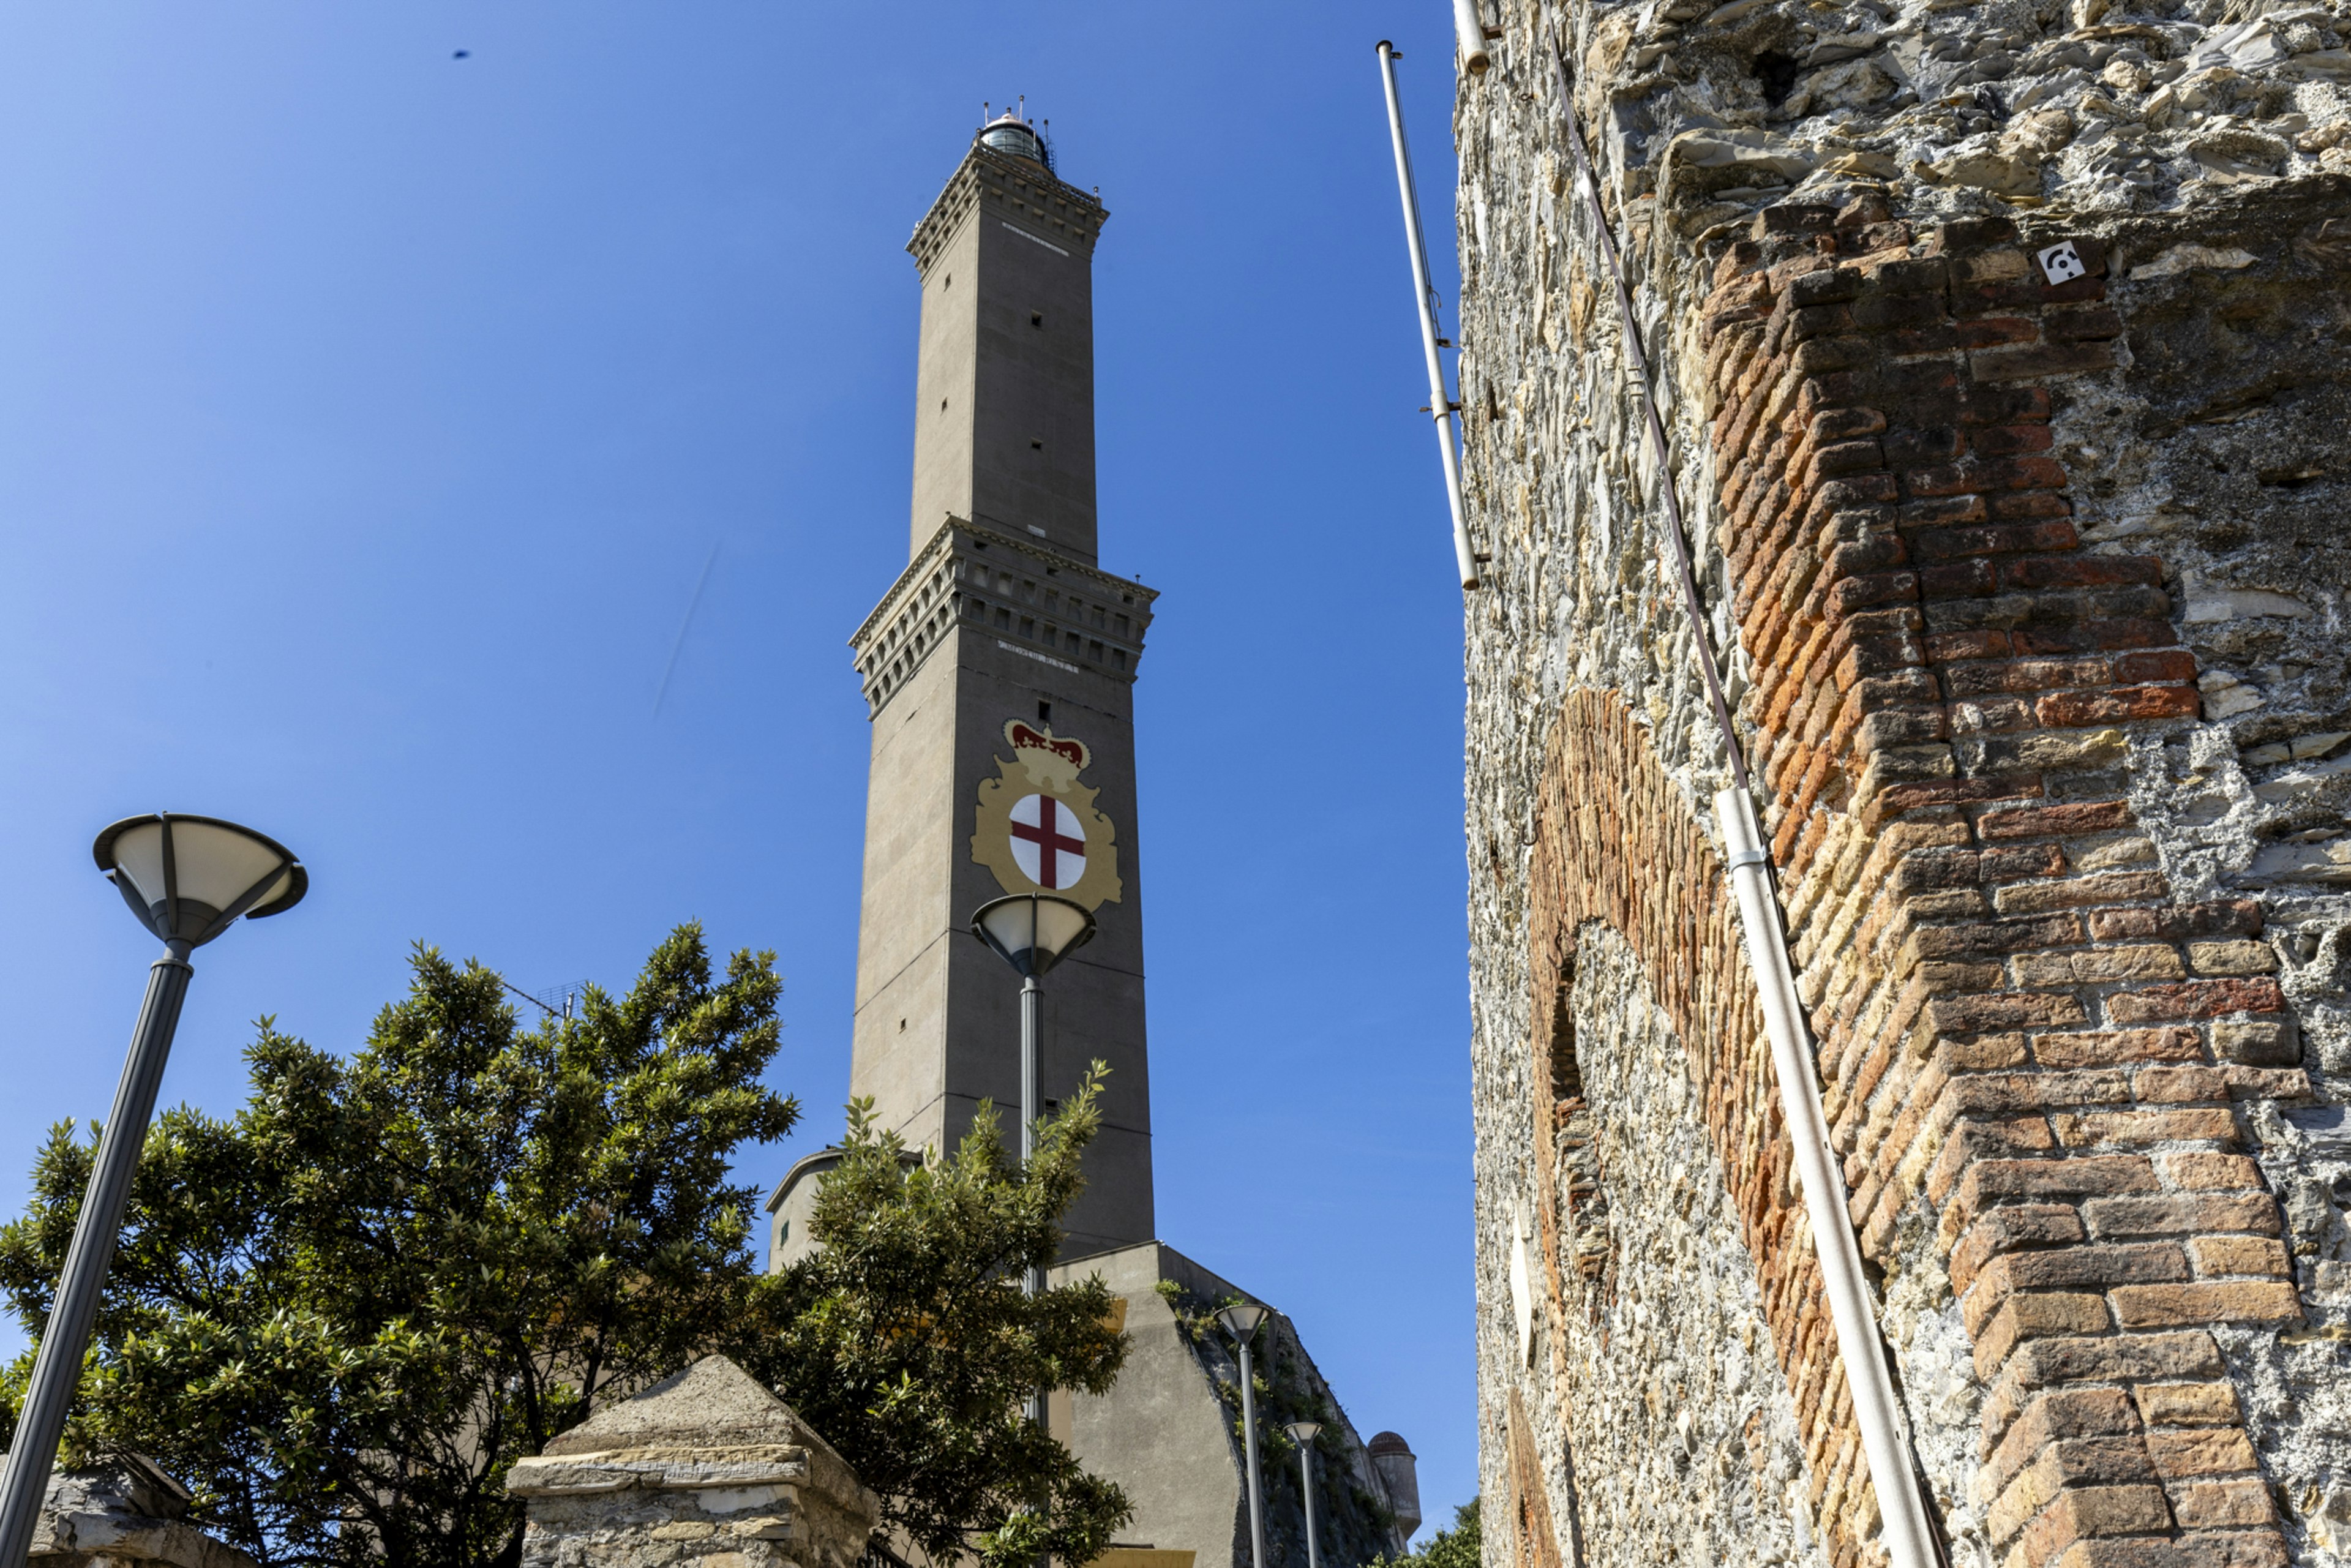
{"x": 2013, "y": 1012}
{"x": 1617, "y": 843}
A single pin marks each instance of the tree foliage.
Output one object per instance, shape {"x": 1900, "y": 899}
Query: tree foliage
{"x": 339, "y": 1316}
{"x": 908, "y": 1340}
{"x": 1460, "y": 1547}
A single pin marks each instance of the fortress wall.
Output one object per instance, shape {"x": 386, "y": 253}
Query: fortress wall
{"x": 2033, "y": 598}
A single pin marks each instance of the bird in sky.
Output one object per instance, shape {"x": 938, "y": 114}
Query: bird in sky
{"x": 462, "y": 55}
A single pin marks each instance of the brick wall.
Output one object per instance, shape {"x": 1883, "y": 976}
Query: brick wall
{"x": 2024, "y": 1038}
{"x": 1617, "y": 844}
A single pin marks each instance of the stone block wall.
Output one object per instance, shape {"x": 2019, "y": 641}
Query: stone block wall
{"x": 122, "y": 1512}
{"x": 703, "y": 1469}
{"x": 2031, "y": 591}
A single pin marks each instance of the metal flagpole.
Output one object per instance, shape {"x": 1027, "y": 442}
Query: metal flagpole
{"x": 1441, "y": 407}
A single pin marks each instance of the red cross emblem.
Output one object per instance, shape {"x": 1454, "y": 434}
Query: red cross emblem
{"x": 1048, "y": 842}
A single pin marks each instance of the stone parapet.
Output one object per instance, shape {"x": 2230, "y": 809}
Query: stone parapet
{"x": 123, "y": 1513}
{"x": 989, "y": 583}
{"x": 703, "y": 1467}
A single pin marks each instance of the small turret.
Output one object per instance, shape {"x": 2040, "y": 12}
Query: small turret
{"x": 1399, "y": 1472}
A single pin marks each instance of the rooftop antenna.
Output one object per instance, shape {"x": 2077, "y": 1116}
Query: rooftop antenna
{"x": 1024, "y": 109}
{"x": 571, "y": 999}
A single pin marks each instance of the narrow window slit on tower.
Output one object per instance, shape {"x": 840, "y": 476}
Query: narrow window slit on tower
{"x": 1036, "y": 317}
{"x": 1044, "y": 713}
{"x": 1035, "y": 445}
{"x": 1566, "y": 1073}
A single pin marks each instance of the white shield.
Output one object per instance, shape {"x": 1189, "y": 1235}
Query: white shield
{"x": 1048, "y": 844}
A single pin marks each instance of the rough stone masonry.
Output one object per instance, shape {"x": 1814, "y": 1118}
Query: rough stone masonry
{"x": 2029, "y": 580}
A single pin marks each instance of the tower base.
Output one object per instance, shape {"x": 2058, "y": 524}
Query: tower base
{"x": 1169, "y": 1431}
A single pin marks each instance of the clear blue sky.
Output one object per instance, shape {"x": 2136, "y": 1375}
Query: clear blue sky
{"x": 366, "y": 418}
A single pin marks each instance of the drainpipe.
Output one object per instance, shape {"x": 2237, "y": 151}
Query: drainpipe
{"x": 1470, "y": 31}
{"x": 1877, "y": 1408}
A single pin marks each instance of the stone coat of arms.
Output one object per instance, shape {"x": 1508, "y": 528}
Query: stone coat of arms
{"x": 1037, "y": 826}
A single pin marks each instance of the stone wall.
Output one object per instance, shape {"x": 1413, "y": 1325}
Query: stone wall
{"x": 2030, "y": 587}
{"x": 705, "y": 1468}
{"x": 122, "y": 1512}
{"x": 1356, "y": 1521}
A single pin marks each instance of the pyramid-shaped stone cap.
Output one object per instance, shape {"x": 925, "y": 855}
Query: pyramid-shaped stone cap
{"x": 714, "y": 1404}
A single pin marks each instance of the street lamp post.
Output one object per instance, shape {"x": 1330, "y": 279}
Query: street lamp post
{"x": 1241, "y": 1321}
{"x": 1033, "y": 932}
{"x": 1303, "y": 1433}
{"x": 187, "y": 879}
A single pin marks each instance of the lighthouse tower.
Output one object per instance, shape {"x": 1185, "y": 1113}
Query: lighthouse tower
{"x": 998, "y": 674}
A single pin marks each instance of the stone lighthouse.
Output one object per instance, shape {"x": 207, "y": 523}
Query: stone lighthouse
{"x": 998, "y": 674}
{"x": 1000, "y": 677}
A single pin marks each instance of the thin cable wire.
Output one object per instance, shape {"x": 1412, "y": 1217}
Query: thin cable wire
{"x": 1692, "y": 602}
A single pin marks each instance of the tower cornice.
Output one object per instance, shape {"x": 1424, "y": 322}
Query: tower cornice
{"x": 1021, "y": 192}
{"x": 1045, "y": 598}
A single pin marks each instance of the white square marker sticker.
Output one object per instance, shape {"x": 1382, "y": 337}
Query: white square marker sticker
{"x": 2060, "y": 263}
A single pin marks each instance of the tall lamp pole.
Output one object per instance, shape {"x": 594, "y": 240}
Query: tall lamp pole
{"x": 1241, "y": 1321}
{"x": 1033, "y": 932}
{"x": 1303, "y": 1434}
{"x": 187, "y": 879}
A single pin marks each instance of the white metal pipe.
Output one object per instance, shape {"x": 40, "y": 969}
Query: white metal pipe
{"x": 1884, "y": 1440}
{"x": 1469, "y": 28}
{"x": 1248, "y": 1434}
{"x": 1441, "y": 407}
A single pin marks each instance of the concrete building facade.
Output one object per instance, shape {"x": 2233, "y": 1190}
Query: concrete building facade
{"x": 2002, "y": 350}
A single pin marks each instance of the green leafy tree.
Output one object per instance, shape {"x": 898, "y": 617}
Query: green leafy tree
{"x": 906, "y": 1339}
{"x": 1460, "y": 1547}
{"x": 339, "y": 1316}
